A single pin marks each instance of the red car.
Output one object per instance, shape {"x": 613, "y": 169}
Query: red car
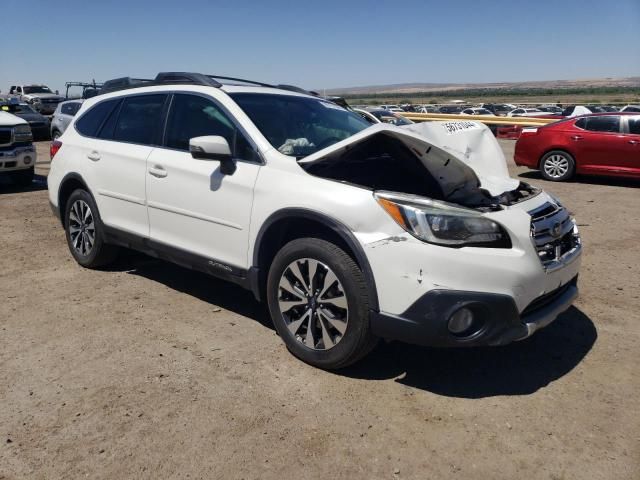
{"x": 597, "y": 144}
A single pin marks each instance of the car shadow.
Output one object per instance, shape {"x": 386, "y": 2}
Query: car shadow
{"x": 520, "y": 368}
{"x": 589, "y": 179}
{"x": 7, "y": 185}
{"x": 199, "y": 285}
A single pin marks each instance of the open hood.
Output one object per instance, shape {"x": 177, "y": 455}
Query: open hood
{"x": 461, "y": 156}
{"x": 475, "y": 145}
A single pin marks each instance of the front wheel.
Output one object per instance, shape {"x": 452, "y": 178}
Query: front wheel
{"x": 557, "y": 166}
{"x": 319, "y": 303}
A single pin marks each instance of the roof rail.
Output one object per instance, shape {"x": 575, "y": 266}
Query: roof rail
{"x": 293, "y": 88}
{"x": 234, "y": 79}
{"x": 186, "y": 77}
{"x": 123, "y": 83}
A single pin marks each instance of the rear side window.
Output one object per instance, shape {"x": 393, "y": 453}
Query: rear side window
{"x": 89, "y": 123}
{"x": 139, "y": 119}
{"x": 70, "y": 108}
{"x": 634, "y": 125}
{"x": 581, "y": 123}
{"x": 610, "y": 123}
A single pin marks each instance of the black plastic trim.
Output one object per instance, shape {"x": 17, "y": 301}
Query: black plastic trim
{"x": 340, "y": 229}
{"x": 65, "y": 179}
{"x": 425, "y": 322}
{"x": 239, "y": 276}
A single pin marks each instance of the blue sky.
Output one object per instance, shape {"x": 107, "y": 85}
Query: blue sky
{"x": 320, "y": 44}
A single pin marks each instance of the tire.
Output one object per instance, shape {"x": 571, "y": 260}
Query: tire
{"x": 557, "y": 166}
{"x": 339, "y": 336}
{"x": 85, "y": 232}
{"x": 24, "y": 178}
{"x": 55, "y": 135}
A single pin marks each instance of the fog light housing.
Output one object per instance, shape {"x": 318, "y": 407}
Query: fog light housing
{"x": 27, "y": 160}
{"x": 467, "y": 321}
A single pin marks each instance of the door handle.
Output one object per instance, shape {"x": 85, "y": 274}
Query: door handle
{"x": 575, "y": 138}
{"x": 158, "y": 171}
{"x": 93, "y": 156}
{"x": 634, "y": 142}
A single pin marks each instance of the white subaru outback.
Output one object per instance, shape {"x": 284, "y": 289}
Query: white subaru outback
{"x": 351, "y": 232}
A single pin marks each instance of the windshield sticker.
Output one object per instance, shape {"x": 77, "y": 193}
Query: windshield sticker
{"x": 455, "y": 127}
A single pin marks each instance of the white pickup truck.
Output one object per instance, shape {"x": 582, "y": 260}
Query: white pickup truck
{"x": 40, "y": 97}
{"x": 17, "y": 153}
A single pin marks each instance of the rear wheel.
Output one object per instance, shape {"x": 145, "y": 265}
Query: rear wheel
{"x": 85, "y": 232}
{"x": 55, "y": 135}
{"x": 319, "y": 303}
{"x": 557, "y": 166}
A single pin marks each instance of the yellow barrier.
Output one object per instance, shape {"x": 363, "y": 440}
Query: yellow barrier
{"x": 489, "y": 119}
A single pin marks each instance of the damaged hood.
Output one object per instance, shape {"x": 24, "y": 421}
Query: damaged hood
{"x": 461, "y": 155}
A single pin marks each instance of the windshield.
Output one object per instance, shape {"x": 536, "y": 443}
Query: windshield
{"x": 16, "y": 108}
{"x": 36, "y": 89}
{"x": 386, "y": 116}
{"x": 299, "y": 126}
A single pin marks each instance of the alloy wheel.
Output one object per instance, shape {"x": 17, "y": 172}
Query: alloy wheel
{"x": 313, "y": 304}
{"x": 556, "y": 166}
{"x": 82, "y": 230}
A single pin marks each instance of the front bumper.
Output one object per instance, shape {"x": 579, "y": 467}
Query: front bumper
{"x": 426, "y": 321}
{"x": 17, "y": 158}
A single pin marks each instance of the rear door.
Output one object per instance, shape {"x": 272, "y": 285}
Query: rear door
{"x": 191, "y": 205}
{"x": 597, "y": 143}
{"x": 630, "y": 158}
{"x": 127, "y": 132}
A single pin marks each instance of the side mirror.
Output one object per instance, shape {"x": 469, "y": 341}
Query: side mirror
{"x": 213, "y": 147}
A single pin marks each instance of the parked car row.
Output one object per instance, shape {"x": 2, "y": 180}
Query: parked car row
{"x": 506, "y": 109}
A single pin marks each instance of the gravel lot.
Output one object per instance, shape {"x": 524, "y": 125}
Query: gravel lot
{"x": 151, "y": 371}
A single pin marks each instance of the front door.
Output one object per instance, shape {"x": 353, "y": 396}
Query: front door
{"x": 191, "y": 205}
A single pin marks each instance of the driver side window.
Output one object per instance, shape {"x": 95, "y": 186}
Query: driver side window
{"x": 195, "y": 116}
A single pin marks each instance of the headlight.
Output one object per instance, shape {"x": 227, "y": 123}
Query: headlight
{"x": 441, "y": 223}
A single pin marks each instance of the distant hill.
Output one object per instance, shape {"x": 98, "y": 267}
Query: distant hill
{"x": 408, "y": 88}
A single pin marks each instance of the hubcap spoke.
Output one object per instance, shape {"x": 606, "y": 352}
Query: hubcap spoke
{"x": 294, "y": 268}
{"x": 339, "y": 325}
{"x": 309, "y": 339}
{"x": 327, "y": 341}
{"x": 329, "y": 280}
{"x": 313, "y": 269}
{"x": 337, "y": 301}
{"x": 295, "y": 325}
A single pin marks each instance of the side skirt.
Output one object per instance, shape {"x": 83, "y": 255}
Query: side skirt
{"x": 247, "y": 279}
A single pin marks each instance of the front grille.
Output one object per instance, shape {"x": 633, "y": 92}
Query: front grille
{"x": 10, "y": 164}
{"x": 548, "y": 298}
{"x": 553, "y": 232}
{"x": 36, "y": 124}
{"x": 50, "y": 100}
{"x": 5, "y": 136}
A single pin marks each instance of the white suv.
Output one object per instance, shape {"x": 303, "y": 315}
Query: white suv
{"x": 351, "y": 232}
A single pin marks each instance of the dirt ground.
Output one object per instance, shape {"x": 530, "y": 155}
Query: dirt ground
{"x": 148, "y": 370}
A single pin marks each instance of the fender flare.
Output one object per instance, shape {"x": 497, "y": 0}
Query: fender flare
{"x": 338, "y": 228}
